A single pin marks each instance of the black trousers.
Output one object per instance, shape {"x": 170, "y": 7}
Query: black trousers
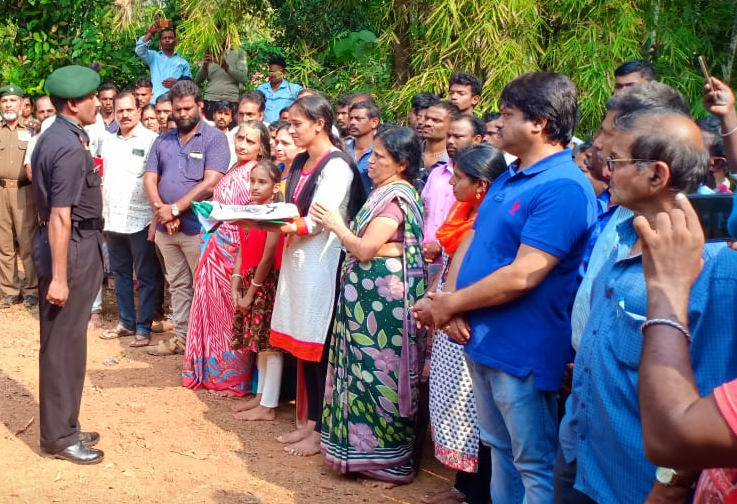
{"x": 475, "y": 486}
{"x": 63, "y": 355}
{"x": 314, "y": 374}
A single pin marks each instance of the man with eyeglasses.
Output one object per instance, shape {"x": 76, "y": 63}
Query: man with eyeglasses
{"x": 278, "y": 91}
{"x": 652, "y": 95}
{"x": 651, "y": 152}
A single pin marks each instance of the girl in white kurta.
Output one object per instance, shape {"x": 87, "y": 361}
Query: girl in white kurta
{"x": 306, "y": 290}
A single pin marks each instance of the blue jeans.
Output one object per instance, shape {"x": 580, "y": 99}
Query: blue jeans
{"x": 520, "y": 424}
{"x": 129, "y": 251}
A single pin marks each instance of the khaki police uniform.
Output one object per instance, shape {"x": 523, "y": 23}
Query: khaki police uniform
{"x": 18, "y": 221}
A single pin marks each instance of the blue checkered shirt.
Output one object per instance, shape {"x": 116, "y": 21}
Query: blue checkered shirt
{"x": 602, "y": 427}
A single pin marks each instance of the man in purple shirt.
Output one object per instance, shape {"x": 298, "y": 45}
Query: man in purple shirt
{"x": 437, "y": 195}
{"x": 184, "y": 165}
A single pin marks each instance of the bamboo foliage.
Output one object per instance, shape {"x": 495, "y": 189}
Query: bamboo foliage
{"x": 214, "y": 25}
{"x": 685, "y": 30}
{"x": 587, "y": 42}
{"x": 495, "y": 39}
{"x": 732, "y": 49}
{"x": 498, "y": 40}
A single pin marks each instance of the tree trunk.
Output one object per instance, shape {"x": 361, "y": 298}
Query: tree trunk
{"x": 732, "y": 50}
{"x": 400, "y": 50}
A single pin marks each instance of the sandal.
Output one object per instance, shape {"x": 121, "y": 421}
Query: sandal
{"x": 141, "y": 340}
{"x": 117, "y": 332}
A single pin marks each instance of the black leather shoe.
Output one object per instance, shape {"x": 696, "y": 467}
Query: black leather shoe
{"x": 78, "y": 453}
{"x": 89, "y": 438}
{"x": 30, "y": 301}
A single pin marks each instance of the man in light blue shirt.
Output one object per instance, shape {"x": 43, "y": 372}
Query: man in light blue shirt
{"x": 166, "y": 65}
{"x": 653, "y": 153}
{"x": 279, "y": 92}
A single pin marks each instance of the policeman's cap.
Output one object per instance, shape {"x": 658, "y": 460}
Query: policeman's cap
{"x": 10, "y": 90}
{"x": 72, "y": 81}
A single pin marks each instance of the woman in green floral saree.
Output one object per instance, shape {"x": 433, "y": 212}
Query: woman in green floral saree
{"x": 373, "y": 368}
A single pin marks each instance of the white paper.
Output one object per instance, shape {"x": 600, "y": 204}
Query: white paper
{"x": 268, "y": 212}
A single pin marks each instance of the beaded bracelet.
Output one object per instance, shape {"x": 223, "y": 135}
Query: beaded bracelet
{"x": 667, "y": 322}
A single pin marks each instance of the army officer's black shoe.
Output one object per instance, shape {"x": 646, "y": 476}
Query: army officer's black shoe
{"x": 89, "y": 439}
{"x": 77, "y": 453}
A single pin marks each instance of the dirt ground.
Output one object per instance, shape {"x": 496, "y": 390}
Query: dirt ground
{"x": 162, "y": 442}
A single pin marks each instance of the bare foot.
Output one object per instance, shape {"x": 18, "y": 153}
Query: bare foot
{"x": 251, "y": 403}
{"x": 229, "y": 394}
{"x": 308, "y": 447}
{"x": 257, "y": 413}
{"x": 443, "y": 496}
{"x": 297, "y": 435}
{"x": 95, "y": 321}
{"x": 372, "y": 483}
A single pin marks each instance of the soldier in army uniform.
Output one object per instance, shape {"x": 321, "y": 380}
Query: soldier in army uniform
{"x": 67, "y": 252}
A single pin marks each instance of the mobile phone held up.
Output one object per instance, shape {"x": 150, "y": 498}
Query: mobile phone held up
{"x": 704, "y": 68}
{"x": 713, "y": 211}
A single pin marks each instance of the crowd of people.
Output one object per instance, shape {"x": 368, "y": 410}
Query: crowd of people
{"x": 544, "y": 306}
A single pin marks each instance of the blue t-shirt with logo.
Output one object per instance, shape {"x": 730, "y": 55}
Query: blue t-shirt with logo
{"x": 550, "y": 206}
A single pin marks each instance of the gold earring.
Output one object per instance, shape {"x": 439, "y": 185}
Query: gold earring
{"x": 478, "y": 195}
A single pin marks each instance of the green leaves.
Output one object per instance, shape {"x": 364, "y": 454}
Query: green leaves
{"x": 392, "y": 48}
{"x": 353, "y": 46}
{"x": 39, "y": 36}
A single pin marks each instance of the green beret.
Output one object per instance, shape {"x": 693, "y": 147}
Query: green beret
{"x": 10, "y": 90}
{"x": 72, "y": 81}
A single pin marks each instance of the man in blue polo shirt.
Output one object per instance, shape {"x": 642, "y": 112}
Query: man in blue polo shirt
{"x": 184, "y": 165}
{"x": 515, "y": 284}
{"x": 279, "y": 92}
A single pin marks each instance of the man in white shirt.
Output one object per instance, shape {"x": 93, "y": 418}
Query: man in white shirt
{"x": 128, "y": 216}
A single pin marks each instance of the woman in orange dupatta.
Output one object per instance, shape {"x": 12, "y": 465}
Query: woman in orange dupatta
{"x": 452, "y": 407}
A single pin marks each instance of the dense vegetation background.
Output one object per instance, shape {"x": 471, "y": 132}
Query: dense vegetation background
{"x": 393, "y": 48}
